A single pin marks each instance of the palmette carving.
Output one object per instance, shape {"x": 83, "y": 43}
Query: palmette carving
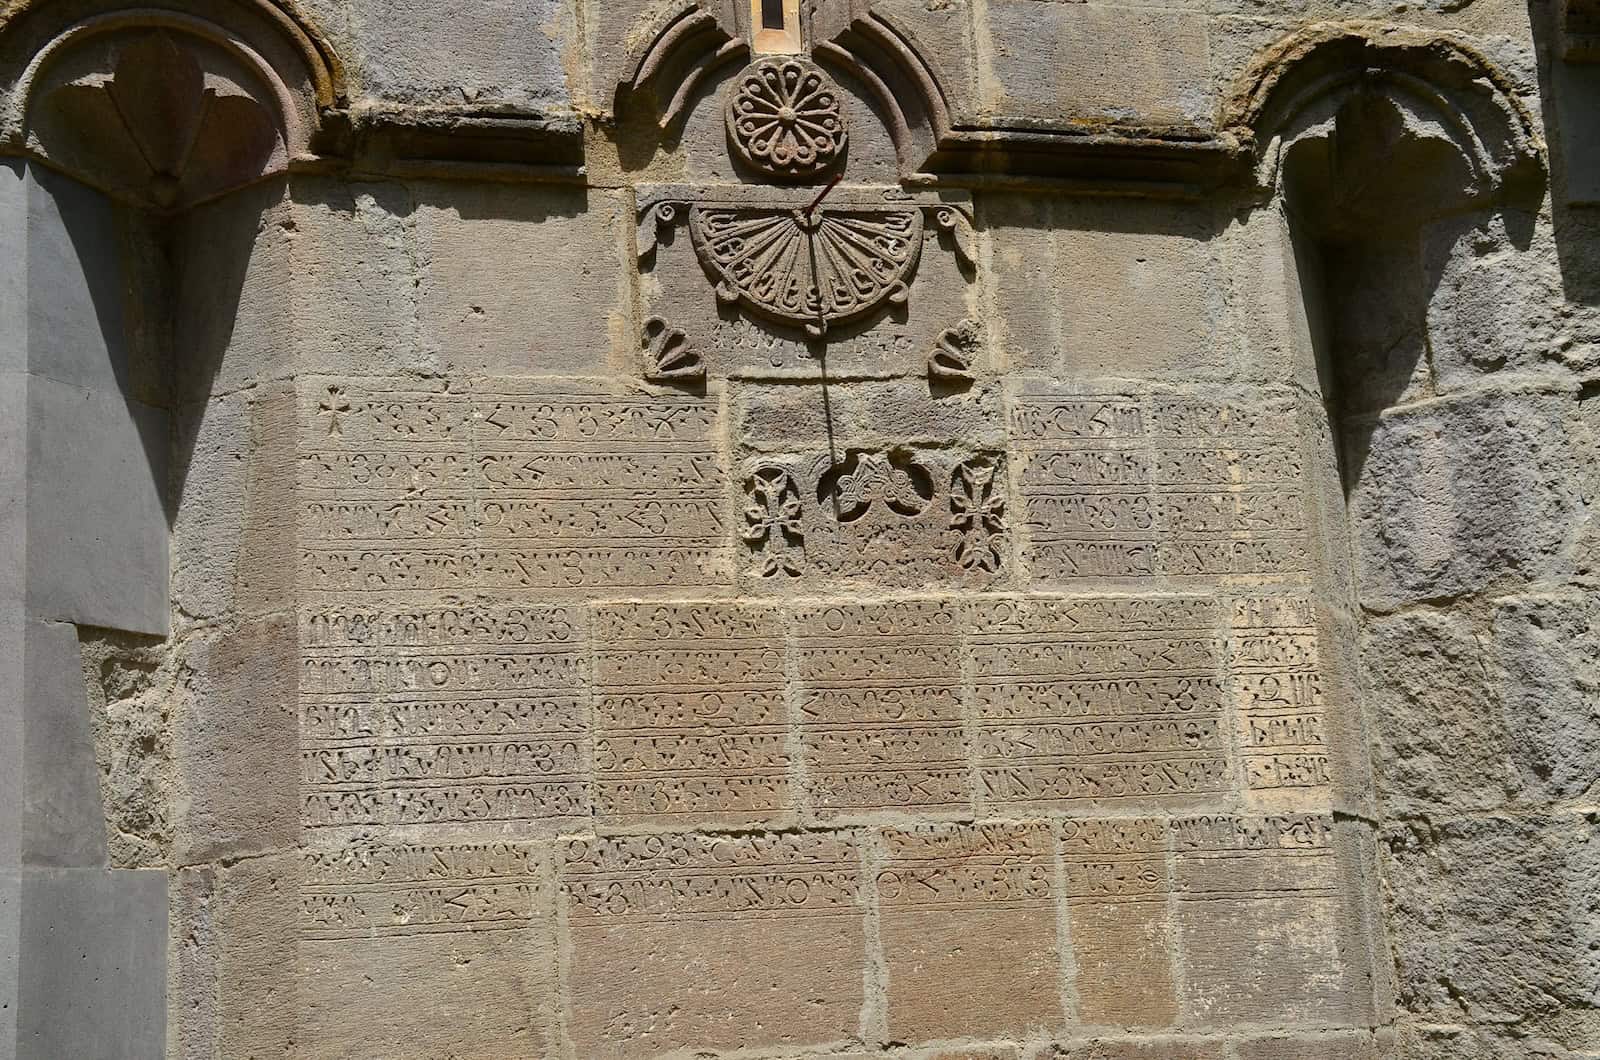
{"x": 784, "y": 118}
{"x": 953, "y": 355}
{"x": 669, "y": 356}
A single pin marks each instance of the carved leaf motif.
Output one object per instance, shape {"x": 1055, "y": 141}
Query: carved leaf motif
{"x": 838, "y": 265}
{"x": 863, "y": 479}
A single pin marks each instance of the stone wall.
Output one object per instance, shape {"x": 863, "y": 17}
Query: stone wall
{"x": 1085, "y": 552}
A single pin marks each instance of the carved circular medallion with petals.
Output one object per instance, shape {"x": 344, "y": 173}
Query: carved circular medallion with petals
{"x": 785, "y": 118}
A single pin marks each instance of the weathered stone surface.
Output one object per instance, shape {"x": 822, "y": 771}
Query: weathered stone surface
{"x": 632, "y": 598}
{"x": 481, "y": 310}
{"x": 503, "y": 52}
{"x": 1549, "y": 675}
{"x": 1492, "y": 919}
{"x": 1118, "y": 889}
{"x": 734, "y": 942}
{"x": 1439, "y": 743}
{"x": 1106, "y": 64}
{"x": 1492, "y": 506}
{"x": 1259, "y": 917}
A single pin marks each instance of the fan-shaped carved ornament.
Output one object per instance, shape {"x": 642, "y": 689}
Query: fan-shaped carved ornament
{"x": 781, "y": 256}
{"x": 784, "y": 118}
{"x": 810, "y": 269}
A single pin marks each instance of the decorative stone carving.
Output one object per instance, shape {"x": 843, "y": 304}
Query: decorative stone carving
{"x": 860, "y": 480}
{"x": 772, "y": 520}
{"x": 782, "y": 258}
{"x": 952, "y": 358}
{"x": 669, "y": 356}
{"x": 810, "y": 269}
{"x": 784, "y": 118}
{"x": 170, "y": 120}
{"x": 978, "y": 512}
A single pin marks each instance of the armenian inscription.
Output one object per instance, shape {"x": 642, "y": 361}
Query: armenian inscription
{"x": 691, "y": 717}
{"x": 513, "y": 486}
{"x": 1134, "y": 487}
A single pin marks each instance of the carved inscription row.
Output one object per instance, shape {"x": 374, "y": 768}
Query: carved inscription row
{"x": 728, "y": 713}
{"x": 1118, "y": 487}
{"x": 511, "y": 487}
{"x": 980, "y": 929}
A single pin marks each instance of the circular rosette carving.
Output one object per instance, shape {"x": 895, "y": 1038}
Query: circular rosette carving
{"x": 784, "y": 118}
{"x": 814, "y": 270}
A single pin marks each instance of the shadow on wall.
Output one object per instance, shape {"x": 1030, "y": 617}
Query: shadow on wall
{"x": 1569, "y": 89}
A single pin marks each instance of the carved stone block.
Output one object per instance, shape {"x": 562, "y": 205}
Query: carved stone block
{"x": 1132, "y": 488}
{"x": 805, "y": 281}
{"x": 733, "y": 942}
{"x": 899, "y": 517}
{"x": 1259, "y": 920}
{"x": 1082, "y": 700}
{"x": 691, "y": 715}
{"x": 459, "y": 714}
{"x": 388, "y": 934}
{"x": 515, "y": 485}
{"x": 1118, "y": 889}
{"x": 967, "y": 919}
{"x": 879, "y": 690}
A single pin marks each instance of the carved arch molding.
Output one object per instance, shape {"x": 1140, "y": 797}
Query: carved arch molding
{"x": 164, "y": 104}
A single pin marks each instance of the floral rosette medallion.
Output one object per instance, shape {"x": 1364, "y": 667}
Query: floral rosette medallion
{"x": 784, "y": 118}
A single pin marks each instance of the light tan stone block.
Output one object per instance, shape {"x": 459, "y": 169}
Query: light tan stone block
{"x": 730, "y": 942}
{"x": 1117, "y": 886}
{"x": 879, "y": 688}
{"x": 236, "y": 742}
{"x": 420, "y": 952}
{"x": 566, "y": 488}
{"x": 1124, "y": 488}
{"x": 1135, "y": 1049}
{"x": 1097, "y": 699}
{"x": 1259, "y": 919}
{"x": 691, "y": 715}
{"x": 459, "y": 714}
{"x": 967, "y": 921}
{"x": 479, "y": 310}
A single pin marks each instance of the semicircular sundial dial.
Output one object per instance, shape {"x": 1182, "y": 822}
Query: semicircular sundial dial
{"x": 810, "y": 269}
{"x": 785, "y": 119}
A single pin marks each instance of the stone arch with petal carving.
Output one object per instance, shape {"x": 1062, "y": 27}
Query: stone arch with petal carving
{"x": 1333, "y": 80}
{"x": 164, "y": 105}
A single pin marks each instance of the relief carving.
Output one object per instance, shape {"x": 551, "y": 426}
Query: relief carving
{"x": 852, "y": 486}
{"x": 669, "y": 356}
{"x": 812, "y": 269}
{"x": 978, "y": 512}
{"x": 796, "y": 259}
{"x": 904, "y": 516}
{"x": 772, "y": 516}
{"x": 953, "y": 356}
{"x": 784, "y": 119}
